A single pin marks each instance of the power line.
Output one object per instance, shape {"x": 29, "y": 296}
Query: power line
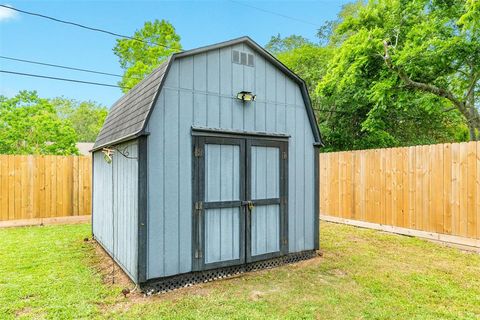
{"x": 64, "y": 67}
{"x": 84, "y": 26}
{"x": 276, "y": 13}
{"x": 63, "y": 79}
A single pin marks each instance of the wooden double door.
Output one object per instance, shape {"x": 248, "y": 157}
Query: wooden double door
{"x": 240, "y": 208}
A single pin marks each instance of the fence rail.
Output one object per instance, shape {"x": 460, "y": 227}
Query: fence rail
{"x": 433, "y": 188}
{"x": 34, "y": 187}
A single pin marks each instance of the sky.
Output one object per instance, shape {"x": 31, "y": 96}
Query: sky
{"x": 198, "y": 23}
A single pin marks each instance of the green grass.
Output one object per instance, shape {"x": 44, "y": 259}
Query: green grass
{"x": 50, "y": 272}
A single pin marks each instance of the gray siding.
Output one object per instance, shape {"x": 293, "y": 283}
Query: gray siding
{"x": 221, "y": 234}
{"x": 222, "y": 172}
{"x": 265, "y": 229}
{"x": 122, "y": 244}
{"x": 199, "y": 91}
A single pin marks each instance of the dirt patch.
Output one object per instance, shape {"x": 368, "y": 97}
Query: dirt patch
{"x": 309, "y": 262}
{"x": 337, "y": 273}
{"x": 256, "y": 295}
{"x": 109, "y": 270}
{"x": 23, "y": 312}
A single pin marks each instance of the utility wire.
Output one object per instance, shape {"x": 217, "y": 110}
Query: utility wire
{"x": 83, "y": 26}
{"x": 64, "y": 67}
{"x": 275, "y": 13}
{"x": 63, "y": 79}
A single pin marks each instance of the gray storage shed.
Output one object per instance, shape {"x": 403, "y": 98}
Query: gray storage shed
{"x": 208, "y": 167}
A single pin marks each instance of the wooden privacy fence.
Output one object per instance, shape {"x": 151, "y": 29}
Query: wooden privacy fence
{"x": 44, "y": 186}
{"x": 433, "y": 188}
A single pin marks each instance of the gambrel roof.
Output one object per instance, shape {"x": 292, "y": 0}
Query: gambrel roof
{"x": 129, "y": 116}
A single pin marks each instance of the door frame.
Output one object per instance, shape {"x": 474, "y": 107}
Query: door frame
{"x": 202, "y": 136}
{"x": 198, "y": 221}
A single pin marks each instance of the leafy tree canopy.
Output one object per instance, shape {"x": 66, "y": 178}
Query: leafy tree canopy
{"x": 138, "y": 58}
{"x": 395, "y": 73}
{"x": 402, "y": 65}
{"x": 86, "y": 117}
{"x": 30, "y": 125}
{"x": 307, "y": 59}
{"x": 277, "y": 44}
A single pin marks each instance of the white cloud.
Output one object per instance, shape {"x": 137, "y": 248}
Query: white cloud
{"x": 7, "y": 14}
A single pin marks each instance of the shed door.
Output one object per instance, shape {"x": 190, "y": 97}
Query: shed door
{"x": 239, "y": 201}
{"x": 266, "y": 192}
{"x": 220, "y": 213}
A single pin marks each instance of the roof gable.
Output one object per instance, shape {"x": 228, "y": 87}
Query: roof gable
{"x": 129, "y": 115}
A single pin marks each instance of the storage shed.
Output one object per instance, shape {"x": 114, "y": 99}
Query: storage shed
{"x": 208, "y": 167}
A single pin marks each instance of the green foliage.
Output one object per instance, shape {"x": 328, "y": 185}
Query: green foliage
{"x": 138, "y": 58}
{"x": 86, "y": 117}
{"x": 471, "y": 18}
{"x": 308, "y": 61}
{"x": 392, "y": 73}
{"x": 30, "y": 125}
{"x": 277, "y": 44}
{"x": 372, "y": 105}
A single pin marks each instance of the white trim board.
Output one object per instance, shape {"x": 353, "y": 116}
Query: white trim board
{"x": 462, "y": 242}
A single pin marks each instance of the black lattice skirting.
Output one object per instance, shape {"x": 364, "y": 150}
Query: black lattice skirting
{"x": 161, "y": 285}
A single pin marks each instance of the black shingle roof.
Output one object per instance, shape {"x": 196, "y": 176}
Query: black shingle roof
{"x": 128, "y": 115}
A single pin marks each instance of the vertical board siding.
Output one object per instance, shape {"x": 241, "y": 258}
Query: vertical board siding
{"x": 222, "y": 228}
{"x": 102, "y": 221}
{"x": 265, "y": 229}
{"x": 222, "y": 181}
{"x": 222, "y": 172}
{"x": 265, "y": 180}
{"x": 265, "y": 172}
{"x": 432, "y": 188}
{"x": 35, "y": 186}
{"x": 115, "y": 205}
{"x": 200, "y": 91}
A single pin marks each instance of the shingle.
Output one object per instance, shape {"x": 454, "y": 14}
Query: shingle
{"x": 128, "y": 114}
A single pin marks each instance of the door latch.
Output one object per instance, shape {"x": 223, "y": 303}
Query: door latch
{"x": 250, "y": 206}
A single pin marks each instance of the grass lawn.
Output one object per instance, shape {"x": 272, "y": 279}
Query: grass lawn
{"x": 50, "y": 272}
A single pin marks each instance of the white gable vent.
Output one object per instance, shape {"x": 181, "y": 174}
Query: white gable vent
{"x": 242, "y": 58}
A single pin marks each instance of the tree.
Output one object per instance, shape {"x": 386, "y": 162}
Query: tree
{"x": 30, "y": 125}
{"x": 447, "y": 63}
{"x": 139, "y": 58}
{"x": 306, "y": 59}
{"x": 277, "y": 44}
{"x": 397, "y": 65}
{"x": 86, "y": 117}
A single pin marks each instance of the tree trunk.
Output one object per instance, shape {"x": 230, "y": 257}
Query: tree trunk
{"x": 473, "y": 115}
{"x": 473, "y": 135}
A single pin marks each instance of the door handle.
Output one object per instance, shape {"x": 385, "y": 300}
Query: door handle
{"x": 248, "y": 204}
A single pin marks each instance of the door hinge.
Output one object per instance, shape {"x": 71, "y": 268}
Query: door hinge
{"x": 285, "y": 241}
{"x": 198, "y": 254}
{"x": 198, "y": 152}
{"x": 284, "y": 155}
{"x": 198, "y": 205}
{"x": 284, "y": 201}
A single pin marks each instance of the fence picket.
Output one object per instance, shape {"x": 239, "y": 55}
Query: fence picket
{"x": 433, "y": 188}
{"x": 44, "y": 186}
